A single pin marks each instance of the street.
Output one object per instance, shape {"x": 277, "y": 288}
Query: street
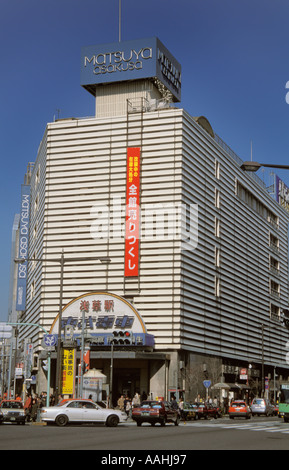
{"x": 259, "y": 433}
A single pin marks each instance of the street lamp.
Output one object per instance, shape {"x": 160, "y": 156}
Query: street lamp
{"x": 255, "y": 166}
{"x": 62, "y": 261}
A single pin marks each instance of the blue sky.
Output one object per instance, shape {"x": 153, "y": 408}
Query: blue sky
{"x": 235, "y": 66}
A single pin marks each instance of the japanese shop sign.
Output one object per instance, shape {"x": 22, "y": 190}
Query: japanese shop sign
{"x": 103, "y": 314}
{"x": 68, "y": 371}
{"x": 132, "y": 212}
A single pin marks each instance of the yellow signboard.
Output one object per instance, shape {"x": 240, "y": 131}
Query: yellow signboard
{"x": 68, "y": 371}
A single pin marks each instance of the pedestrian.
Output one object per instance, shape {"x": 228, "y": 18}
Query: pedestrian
{"x": 27, "y": 407}
{"x": 34, "y": 409}
{"x": 174, "y": 404}
{"x": 120, "y": 403}
{"x": 43, "y": 399}
{"x": 136, "y": 400}
{"x": 181, "y": 408}
{"x": 128, "y": 408}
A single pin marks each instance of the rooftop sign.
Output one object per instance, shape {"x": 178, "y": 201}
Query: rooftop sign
{"x": 130, "y": 60}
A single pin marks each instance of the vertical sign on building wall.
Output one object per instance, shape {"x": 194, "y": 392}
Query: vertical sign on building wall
{"x": 23, "y": 247}
{"x": 68, "y": 371}
{"x": 132, "y": 212}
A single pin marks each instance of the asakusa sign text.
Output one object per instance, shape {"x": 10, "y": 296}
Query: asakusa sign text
{"x": 130, "y": 60}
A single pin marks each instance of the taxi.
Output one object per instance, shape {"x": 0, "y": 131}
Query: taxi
{"x": 155, "y": 411}
{"x": 12, "y": 411}
{"x": 239, "y": 409}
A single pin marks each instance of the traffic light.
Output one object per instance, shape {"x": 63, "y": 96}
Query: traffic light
{"x": 122, "y": 337}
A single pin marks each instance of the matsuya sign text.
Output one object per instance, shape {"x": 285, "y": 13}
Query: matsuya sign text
{"x": 139, "y": 59}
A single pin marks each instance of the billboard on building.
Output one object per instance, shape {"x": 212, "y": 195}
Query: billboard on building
{"x": 106, "y": 317}
{"x": 130, "y": 60}
{"x": 282, "y": 193}
{"x": 23, "y": 247}
{"x": 68, "y": 371}
{"x": 131, "y": 262}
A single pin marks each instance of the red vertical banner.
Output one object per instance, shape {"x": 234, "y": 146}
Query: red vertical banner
{"x": 86, "y": 360}
{"x": 132, "y": 221}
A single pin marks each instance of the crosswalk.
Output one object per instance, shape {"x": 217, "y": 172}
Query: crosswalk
{"x": 267, "y": 426}
{"x": 270, "y": 426}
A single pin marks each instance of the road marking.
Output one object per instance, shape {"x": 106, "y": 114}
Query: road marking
{"x": 266, "y": 426}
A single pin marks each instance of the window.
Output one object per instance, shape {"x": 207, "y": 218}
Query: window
{"x": 217, "y": 198}
{"x": 217, "y": 286}
{"x": 217, "y": 169}
{"x": 32, "y": 290}
{"x": 35, "y": 231}
{"x": 33, "y": 263}
{"x": 36, "y": 203}
{"x": 256, "y": 205}
{"x": 217, "y": 257}
{"x": 37, "y": 177}
{"x": 274, "y": 242}
{"x": 274, "y": 265}
{"x": 217, "y": 227}
{"x": 274, "y": 312}
{"x": 274, "y": 288}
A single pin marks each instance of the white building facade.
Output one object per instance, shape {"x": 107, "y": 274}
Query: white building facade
{"x": 211, "y": 260}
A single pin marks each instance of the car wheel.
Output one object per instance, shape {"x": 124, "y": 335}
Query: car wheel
{"x": 112, "y": 421}
{"x": 61, "y": 420}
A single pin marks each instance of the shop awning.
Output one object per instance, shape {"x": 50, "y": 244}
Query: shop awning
{"x": 230, "y": 386}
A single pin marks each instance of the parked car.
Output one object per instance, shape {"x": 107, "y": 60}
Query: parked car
{"x": 81, "y": 411}
{"x": 213, "y": 411}
{"x": 153, "y": 411}
{"x": 239, "y": 409}
{"x": 189, "y": 411}
{"x": 206, "y": 410}
{"x": 12, "y": 411}
{"x": 262, "y": 406}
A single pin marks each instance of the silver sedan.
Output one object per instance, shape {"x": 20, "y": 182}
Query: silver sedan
{"x": 81, "y": 411}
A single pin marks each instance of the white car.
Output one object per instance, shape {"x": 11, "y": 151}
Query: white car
{"x": 81, "y": 411}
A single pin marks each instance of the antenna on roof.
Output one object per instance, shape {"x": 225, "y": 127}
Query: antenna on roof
{"x": 119, "y": 20}
{"x": 251, "y": 151}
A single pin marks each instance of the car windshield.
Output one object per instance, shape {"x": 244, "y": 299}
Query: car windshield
{"x": 238, "y": 405}
{"x": 150, "y": 404}
{"x": 12, "y": 404}
{"x": 258, "y": 402}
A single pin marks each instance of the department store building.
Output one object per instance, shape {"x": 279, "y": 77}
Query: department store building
{"x": 162, "y": 236}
